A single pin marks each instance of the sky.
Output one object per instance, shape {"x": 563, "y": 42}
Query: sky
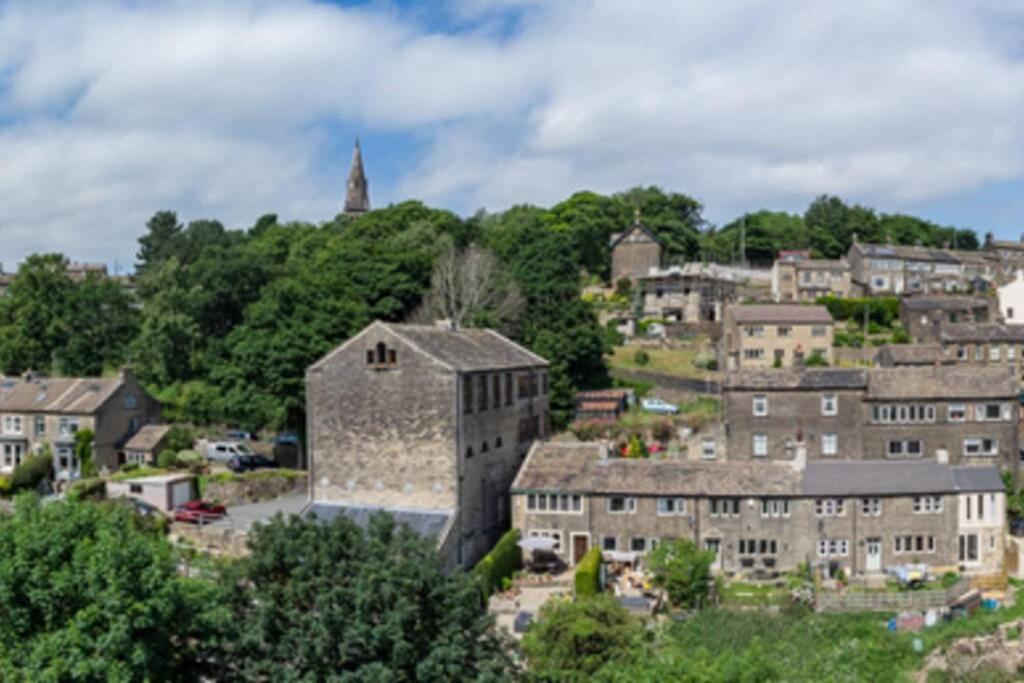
{"x": 113, "y": 110}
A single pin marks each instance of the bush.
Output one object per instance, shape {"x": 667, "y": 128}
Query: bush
{"x": 5, "y": 485}
{"x": 88, "y": 489}
{"x": 179, "y": 438}
{"x": 949, "y": 579}
{"x": 682, "y": 570}
{"x": 637, "y": 448}
{"x": 641, "y": 357}
{"x": 588, "y": 574}
{"x": 32, "y": 472}
{"x": 498, "y": 565}
{"x": 816, "y": 360}
{"x": 900, "y": 336}
{"x": 168, "y": 460}
{"x": 190, "y": 458}
{"x": 663, "y": 431}
{"x": 129, "y": 467}
{"x": 587, "y": 430}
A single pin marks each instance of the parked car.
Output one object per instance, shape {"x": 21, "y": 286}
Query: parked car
{"x": 656, "y": 405}
{"x": 222, "y": 451}
{"x": 246, "y": 463}
{"x": 199, "y": 512}
{"x": 242, "y": 435}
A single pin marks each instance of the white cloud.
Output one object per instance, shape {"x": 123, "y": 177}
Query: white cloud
{"x": 110, "y": 111}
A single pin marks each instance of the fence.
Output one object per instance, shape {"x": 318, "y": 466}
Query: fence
{"x": 890, "y": 602}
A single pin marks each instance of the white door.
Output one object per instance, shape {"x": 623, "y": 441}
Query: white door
{"x": 181, "y": 493}
{"x": 873, "y": 561}
{"x": 715, "y": 546}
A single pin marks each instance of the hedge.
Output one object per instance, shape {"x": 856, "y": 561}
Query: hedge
{"x": 504, "y": 559}
{"x": 588, "y": 574}
{"x": 882, "y": 310}
{"x": 32, "y": 472}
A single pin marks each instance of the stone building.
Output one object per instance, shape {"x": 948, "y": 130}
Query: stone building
{"x": 1011, "y": 300}
{"x": 923, "y": 316}
{"x": 985, "y": 344}
{"x": 804, "y": 280}
{"x": 357, "y": 190}
{"x": 429, "y": 422}
{"x": 912, "y": 355}
{"x": 38, "y": 412}
{"x": 764, "y": 335}
{"x": 951, "y": 414}
{"x": 636, "y": 252}
{"x": 762, "y": 516}
{"x": 886, "y": 269}
{"x": 681, "y": 294}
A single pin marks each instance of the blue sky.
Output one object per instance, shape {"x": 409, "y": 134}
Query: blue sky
{"x": 113, "y": 109}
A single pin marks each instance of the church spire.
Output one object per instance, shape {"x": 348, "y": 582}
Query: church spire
{"x": 357, "y": 193}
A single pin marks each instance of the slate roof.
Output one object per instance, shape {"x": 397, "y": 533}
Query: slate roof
{"x": 883, "y": 478}
{"x": 906, "y": 252}
{"x": 946, "y": 382}
{"x": 580, "y": 467}
{"x": 943, "y": 303}
{"x": 821, "y": 264}
{"x": 57, "y": 394}
{"x": 147, "y": 438}
{"x": 426, "y": 523}
{"x": 780, "y": 313}
{"x": 783, "y": 379}
{"x": 618, "y": 237}
{"x": 915, "y": 354}
{"x": 467, "y": 349}
{"x": 981, "y": 332}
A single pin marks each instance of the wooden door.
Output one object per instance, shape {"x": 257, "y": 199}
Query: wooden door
{"x": 580, "y": 545}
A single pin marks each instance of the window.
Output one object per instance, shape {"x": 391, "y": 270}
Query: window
{"x": 968, "y": 548}
{"x": 621, "y": 505}
{"x": 1011, "y": 352}
{"x": 957, "y": 412}
{"x": 818, "y": 331}
{"x": 135, "y": 488}
{"x": 783, "y": 331}
{"x": 753, "y": 354}
{"x": 724, "y": 507}
{"x": 638, "y": 544}
{"x": 554, "y": 502}
{"x": 671, "y": 506}
{"x": 903, "y": 413}
{"x": 904, "y": 448}
{"x": 496, "y": 391}
{"x": 989, "y": 411}
{"x": 993, "y": 352}
{"x": 961, "y": 352}
{"x": 129, "y": 401}
{"x": 830, "y": 507}
{"x": 508, "y": 388}
{"x": 871, "y": 507}
{"x": 829, "y": 404}
{"x": 755, "y": 546}
{"x": 913, "y": 544}
{"x": 467, "y": 395}
{"x": 760, "y": 405}
{"x": 979, "y": 352}
{"x": 756, "y": 331}
{"x": 469, "y": 452}
{"x": 484, "y": 447}
{"x": 760, "y": 445}
{"x": 12, "y": 424}
{"x": 707, "y": 449}
{"x": 833, "y": 547}
{"x": 609, "y": 543}
{"x": 40, "y": 425}
{"x": 829, "y": 444}
{"x": 774, "y": 508}
{"x": 482, "y": 395}
{"x": 981, "y": 446}
{"x": 555, "y": 535}
{"x": 927, "y": 505}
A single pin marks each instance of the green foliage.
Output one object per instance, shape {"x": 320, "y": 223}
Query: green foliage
{"x": 87, "y": 489}
{"x": 588, "y": 574}
{"x": 88, "y": 596}
{"x": 498, "y": 565}
{"x": 882, "y": 310}
{"x": 624, "y": 288}
{"x": 329, "y": 601}
{"x": 777, "y": 363}
{"x": 637, "y": 448}
{"x": 133, "y": 471}
{"x": 641, "y": 357}
{"x": 816, "y": 360}
{"x": 683, "y": 571}
{"x": 188, "y": 458}
{"x": 32, "y": 472}
{"x": 83, "y": 451}
{"x": 663, "y": 431}
{"x": 852, "y": 339}
{"x": 572, "y": 640}
{"x": 900, "y": 336}
{"x": 6, "y": 487}
{"x": 949, "y": 579}
{"x": 167, "y": 460}
{"x": 179, "y": 438}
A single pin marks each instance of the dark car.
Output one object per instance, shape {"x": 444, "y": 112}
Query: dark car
{"x": 199, "y": 512}
{"x": 247, "y": 463}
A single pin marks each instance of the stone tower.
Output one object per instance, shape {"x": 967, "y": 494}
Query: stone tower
{"x": 357, "y": 194}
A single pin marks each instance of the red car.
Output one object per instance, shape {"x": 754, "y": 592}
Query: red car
{"x": 199, "y": 512}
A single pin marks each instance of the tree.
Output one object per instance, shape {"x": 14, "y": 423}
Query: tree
{"x": 87, "y": 594}
{"x": 83, "y": 452}
{"x": 157, "y": 244}
{"x": 469, "y": 287}
{"x": 682, "y": 571}
{"x": 330, "y": 601}
{"x": 34, "y": 314}
{"x": 570, "y": 641}
{"x": 102, "y": 321}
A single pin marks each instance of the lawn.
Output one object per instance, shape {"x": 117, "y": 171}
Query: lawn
{"x": 677, "y": 362}
{"x": 742, "y": 594}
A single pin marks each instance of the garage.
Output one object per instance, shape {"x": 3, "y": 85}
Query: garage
{"x": 165, "y": 491}
{"x": 181, "y": 493}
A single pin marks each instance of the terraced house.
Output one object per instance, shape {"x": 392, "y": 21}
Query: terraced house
{"x": 430, "y": 423}
{"x": 780, "y": 335}
{"x": 949, "y": 414}
{"x": 860, "y": 517}
{"x": 38, "y": 412}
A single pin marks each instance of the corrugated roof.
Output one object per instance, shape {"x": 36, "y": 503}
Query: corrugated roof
{"x": 782, "y": 379}
{"x": 580, "y": 467}
{"x": 947, "y": 381}
{"x": 426, "y": 523}
{"x": 57, "y": 394}
{"x": 147, "y": 438}
{"x": 883, "y": 477}
{"x": 779, "y": 313}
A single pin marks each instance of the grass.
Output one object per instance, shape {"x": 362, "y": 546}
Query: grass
{"x": 676, "y": 362}
{"x": 139, "y": 472}
{"x": 742, "y": 594}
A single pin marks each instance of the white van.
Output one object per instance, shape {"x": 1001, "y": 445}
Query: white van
{"x": 222, "y": 451}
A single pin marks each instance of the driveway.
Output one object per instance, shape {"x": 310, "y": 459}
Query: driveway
{"x": 242, "y": 517}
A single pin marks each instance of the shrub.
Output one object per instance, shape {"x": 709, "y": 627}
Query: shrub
{"x": 88, "y": 489}
{"x": 588, "y": 574}
{"x": 682, "y": 570}
{"x": 949, "y": 579}
{"x": 623, "y": 288}
{"x": 167, "y": 459}
{"x": 663, "y": 431}
{"x": 816, "y": 360}
{"x": 499, "y": 564}
{"x": 190, "y": 459}
{"x": 900, "y": 336}
{"x": 129, "y": 467}
{"x": 179, "y": 438}
{"x": 637, "y": 448}
{"x": 571, "y": 641}
{"x": 83, "y": 451}
{"x": 5, "y": 485}
{"x": 641, "y": 357}
{"x": 587, "y": 430}
{"x": 32, "y": 472}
